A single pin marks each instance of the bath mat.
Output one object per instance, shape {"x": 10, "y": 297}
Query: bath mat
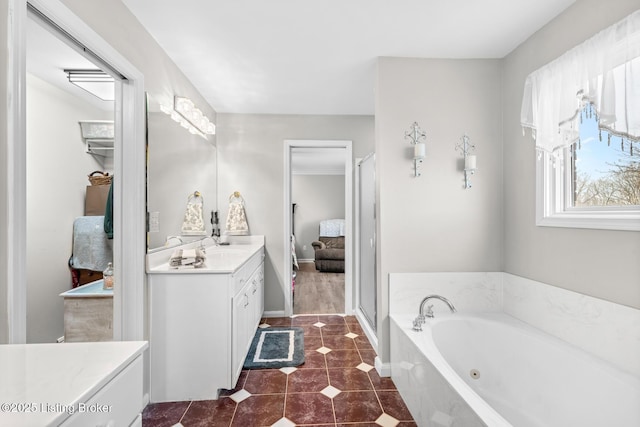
{"x": 276, "y": 348}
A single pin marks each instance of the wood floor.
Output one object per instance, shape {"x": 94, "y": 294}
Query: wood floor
{"x": 318, "y": 292}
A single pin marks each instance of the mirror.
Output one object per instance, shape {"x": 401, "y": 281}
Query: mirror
{"x": 178, "y": 164}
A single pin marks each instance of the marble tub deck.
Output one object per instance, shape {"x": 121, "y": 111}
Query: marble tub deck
{"x": 336, "y": 386}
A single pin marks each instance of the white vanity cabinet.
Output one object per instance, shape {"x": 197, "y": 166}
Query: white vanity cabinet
{"x": 202, "y": 323}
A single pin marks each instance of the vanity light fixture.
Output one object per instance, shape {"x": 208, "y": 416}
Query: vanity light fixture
{"x": 465, "y": 147}
{"x": 96, "y": 82}
{"x": 195, "y": 119}
{"x": 417, "y": 137}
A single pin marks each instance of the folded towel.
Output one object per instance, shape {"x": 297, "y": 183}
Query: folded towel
{"x": 91, "y": 247}
{"x": 190, "y": 258}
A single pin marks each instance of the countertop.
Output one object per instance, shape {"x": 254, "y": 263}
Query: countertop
{"x": 51, "y": 379}
{"x": 94, "y": 289}
{"x": 220, "y": 259}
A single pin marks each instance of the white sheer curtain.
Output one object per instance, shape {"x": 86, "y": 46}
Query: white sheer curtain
{"x": 604, "y": 71}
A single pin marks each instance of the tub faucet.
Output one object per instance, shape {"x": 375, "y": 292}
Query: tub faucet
{"x": 419, "y": 321}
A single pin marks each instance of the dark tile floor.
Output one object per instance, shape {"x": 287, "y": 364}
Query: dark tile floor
{"x": 336, "y": 386}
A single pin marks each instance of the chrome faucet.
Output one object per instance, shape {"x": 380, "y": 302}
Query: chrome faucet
{"x": 419, "y": 321}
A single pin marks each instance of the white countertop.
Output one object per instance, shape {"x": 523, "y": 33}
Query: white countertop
{"x": 49, "y": 378}
{"x": 220, "y": 259}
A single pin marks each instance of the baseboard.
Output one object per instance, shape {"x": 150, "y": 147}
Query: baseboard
{"x": 383, "y": 369}
{"x": 279, "y": 313}
{"x": 145, "y": 400}
{"x": 306, "y": 261}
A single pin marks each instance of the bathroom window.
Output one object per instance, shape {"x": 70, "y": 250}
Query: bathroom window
{"x": 583, "y": 109}
{"x": 593, "y": 183}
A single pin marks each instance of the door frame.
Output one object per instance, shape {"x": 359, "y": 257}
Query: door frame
{"x": 348, "y": 207}
{"x": 129, "y": 167}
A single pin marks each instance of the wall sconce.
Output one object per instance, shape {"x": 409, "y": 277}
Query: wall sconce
{"x": 189, "y": 117}
{"x": 466, "y": 148}
{"x": 417, "y": 137}
{"x": 96, "y": 82}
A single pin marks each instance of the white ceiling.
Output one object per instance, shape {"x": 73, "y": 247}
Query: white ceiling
{"x": 317, "y": 161}
{"x": 319, "y": 57}
{"x": 48, "y": 56}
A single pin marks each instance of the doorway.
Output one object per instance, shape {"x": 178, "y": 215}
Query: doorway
{"x": 128, "y": 166}
{"x": 333, "y": 159}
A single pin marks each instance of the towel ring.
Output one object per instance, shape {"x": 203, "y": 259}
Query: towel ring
{"x": 236, "y": 195}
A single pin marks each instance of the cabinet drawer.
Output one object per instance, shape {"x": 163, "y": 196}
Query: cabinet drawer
{"x": 241, "y": 277}
{"x": 117, "y": 404}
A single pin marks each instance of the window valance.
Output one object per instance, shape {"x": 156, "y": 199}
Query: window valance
{"x": 603, "y": 72}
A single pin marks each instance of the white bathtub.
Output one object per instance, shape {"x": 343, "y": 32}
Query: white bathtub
{"x": 523, "y": 377}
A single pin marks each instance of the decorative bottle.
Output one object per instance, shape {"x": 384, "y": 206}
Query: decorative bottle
{"x": 108, "y": 277}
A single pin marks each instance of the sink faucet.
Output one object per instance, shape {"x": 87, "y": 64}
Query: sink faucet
{"x": 419, "y": 321}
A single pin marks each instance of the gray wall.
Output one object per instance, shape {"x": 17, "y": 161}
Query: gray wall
{"x": 55, "y": 197}
{"x": 600, "y": 263}
{"x": 251, "y": 160}
{"x": 317, "y": 197}
{"x": 431, "y": 223}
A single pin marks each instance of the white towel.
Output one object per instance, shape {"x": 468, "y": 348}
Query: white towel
{"x": 91, "y": 247}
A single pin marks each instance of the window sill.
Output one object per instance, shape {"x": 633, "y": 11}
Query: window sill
{"x": 622, "y": 221}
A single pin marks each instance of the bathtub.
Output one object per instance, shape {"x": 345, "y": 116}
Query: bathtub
{"x": 494, "y": 370}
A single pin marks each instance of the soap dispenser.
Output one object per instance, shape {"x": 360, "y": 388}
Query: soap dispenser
{"x": 107, "y": 283}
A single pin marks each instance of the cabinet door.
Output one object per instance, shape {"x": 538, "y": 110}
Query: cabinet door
{"x": 240, "y": 331}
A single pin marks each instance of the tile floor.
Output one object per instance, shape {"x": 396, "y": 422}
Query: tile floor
{"x": 336, "y": 386}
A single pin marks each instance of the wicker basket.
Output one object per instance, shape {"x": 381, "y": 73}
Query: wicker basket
{"x": 100, "y": 178}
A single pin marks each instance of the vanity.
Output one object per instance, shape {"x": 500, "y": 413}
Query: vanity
{"x": 202, "y": 320}
{"x": 72, "y": 385}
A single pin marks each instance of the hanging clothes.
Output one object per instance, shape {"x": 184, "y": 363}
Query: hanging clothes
{"x": 236, "y": 219}
{"x": 193, "y": 224}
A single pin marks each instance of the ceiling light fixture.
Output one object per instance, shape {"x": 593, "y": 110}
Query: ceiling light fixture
{"x": 96, "y": 82}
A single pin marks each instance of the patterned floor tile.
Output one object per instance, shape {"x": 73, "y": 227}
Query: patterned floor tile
{"x": 335, "y": 329}
{"x": 265, "y": 381}
{"x": 343, "y": 359}
{"x": 349, "y": 379}
{"x": 164, "y": 414}
{"x": 357, "y": 406}
{"x": 307, "y": 381}
{"x": 210, "y": 413}
{"x": 313, "y": 360}
{"x": 262, "y": 410}
{"x": 393, "y": 405}
{"x": 339, "y": 389}
{"x": 309, "y": 408}
{"x": 338, "y": 342}
{"x": 332, "y": 319}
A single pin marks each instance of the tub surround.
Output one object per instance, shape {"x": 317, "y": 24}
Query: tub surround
{"x": 604, "y": 334}
{"x": 70, "y": 383}
{"x": 605, "y": 329}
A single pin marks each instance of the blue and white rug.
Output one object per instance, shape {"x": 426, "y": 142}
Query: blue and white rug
{"x": 276, "y": 348}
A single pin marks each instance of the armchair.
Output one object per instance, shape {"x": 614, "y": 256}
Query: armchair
{"x": 329, "y": 254}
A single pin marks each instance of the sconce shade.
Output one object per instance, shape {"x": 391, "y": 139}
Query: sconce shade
{"x": 419, "y": 150}
{"x": 470, "y": 162}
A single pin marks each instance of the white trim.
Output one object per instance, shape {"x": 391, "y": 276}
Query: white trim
{"x": 348, "y": 241}
{"x": 16, "y": 175}
{"x": 383, "y": 369}
{"x": 129, "y": 167}
{"x": 553, "y": 195}
{"x": 269, "y": 314}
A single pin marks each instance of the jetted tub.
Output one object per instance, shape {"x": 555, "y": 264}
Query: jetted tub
{"x": 494, "y": 370}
